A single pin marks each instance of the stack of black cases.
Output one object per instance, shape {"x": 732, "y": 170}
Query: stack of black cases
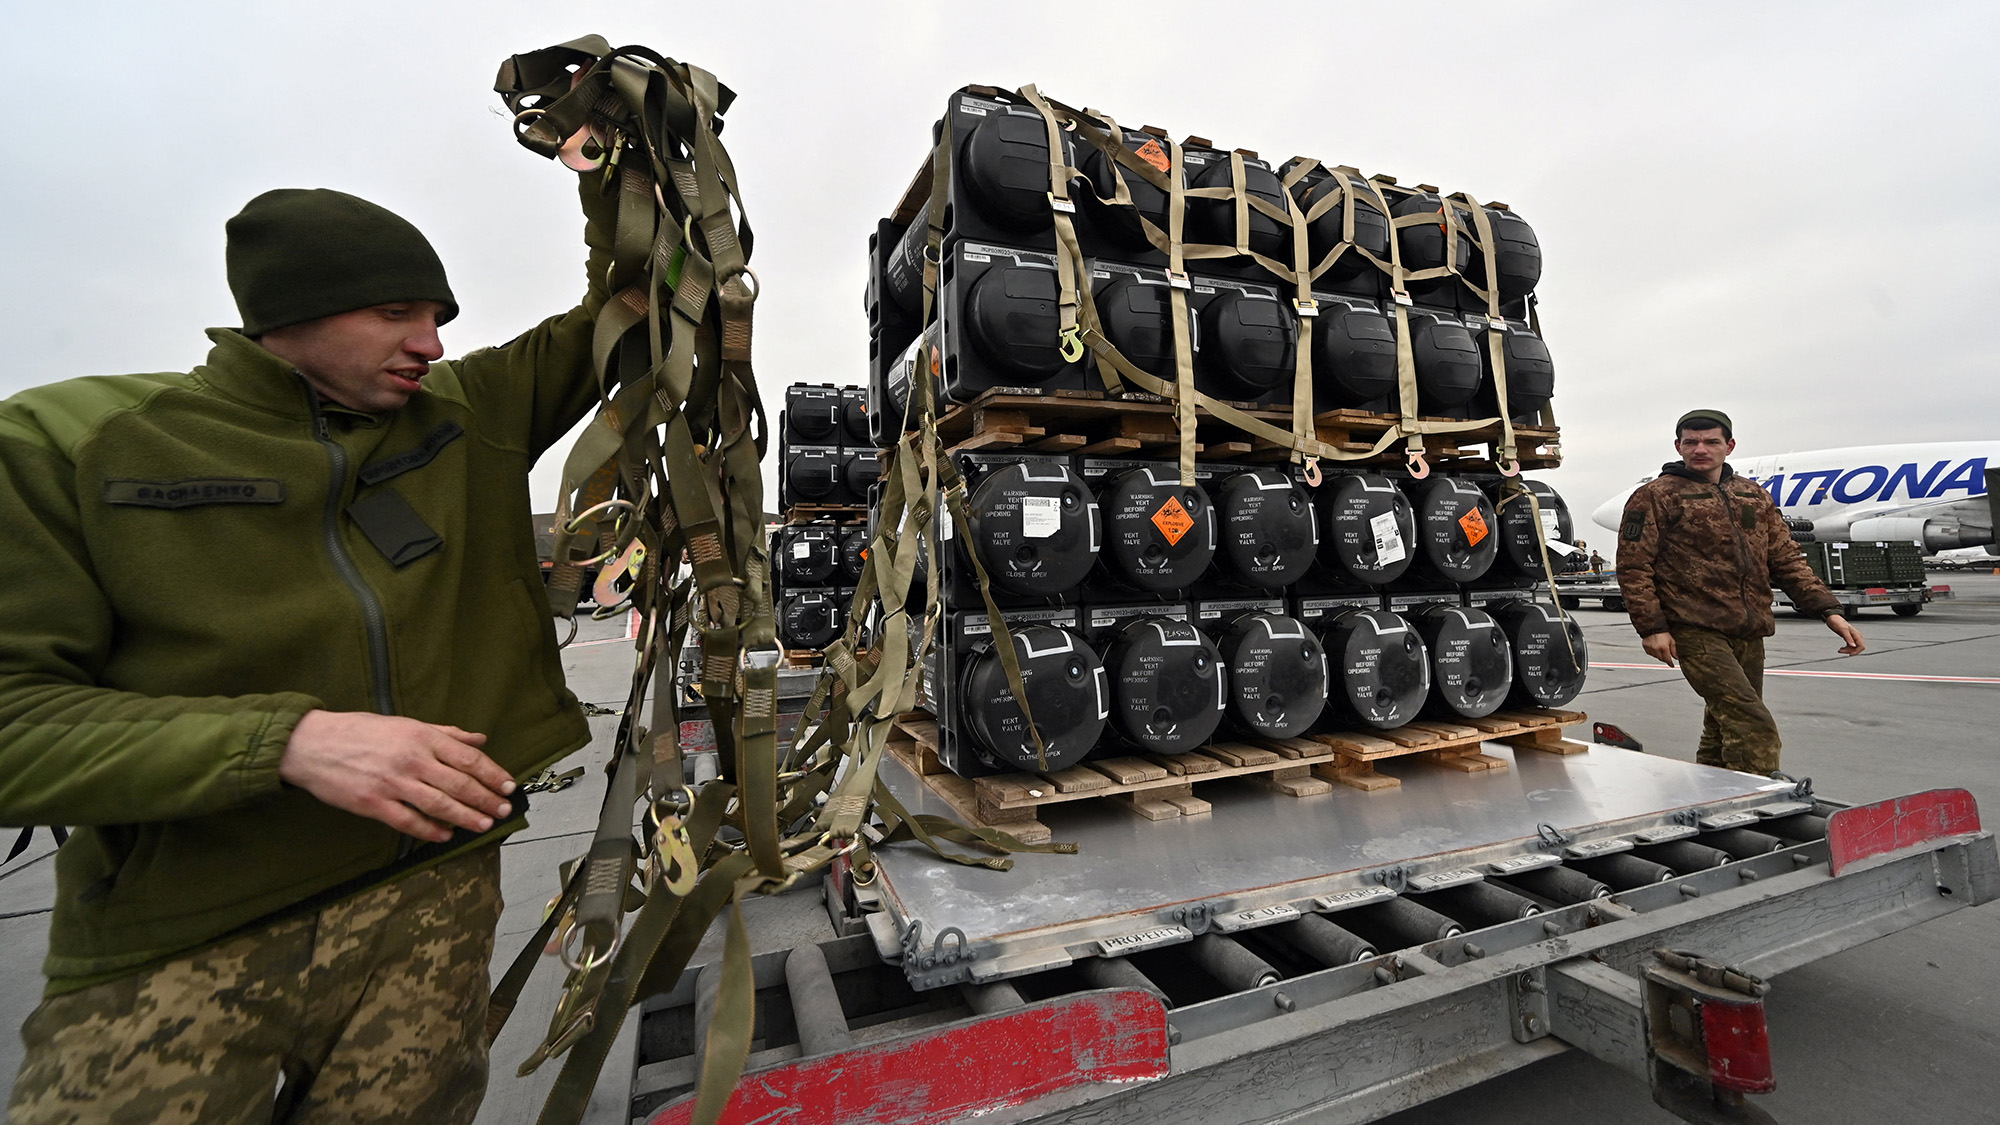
{"x": 827, "y": 465}
{"x": 1151, "y": 617}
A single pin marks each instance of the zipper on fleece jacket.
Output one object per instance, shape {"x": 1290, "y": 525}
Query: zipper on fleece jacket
{"x": 371, "y": 606}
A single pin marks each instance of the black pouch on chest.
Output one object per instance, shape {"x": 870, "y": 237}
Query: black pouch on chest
{"x": 394, "y": 527}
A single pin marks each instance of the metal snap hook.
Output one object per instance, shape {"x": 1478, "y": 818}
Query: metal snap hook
{"x": 1511, "y": 467}
{"x": 1312, "y": 473}
{"x": 1071, "y": 341}
{"x": 1419, "y": 468}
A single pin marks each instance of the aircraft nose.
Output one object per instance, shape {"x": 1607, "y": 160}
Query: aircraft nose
{"x": 1610, "y": 512}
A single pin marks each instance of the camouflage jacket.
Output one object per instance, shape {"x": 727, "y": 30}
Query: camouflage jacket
{"x": 1695, "y": 553}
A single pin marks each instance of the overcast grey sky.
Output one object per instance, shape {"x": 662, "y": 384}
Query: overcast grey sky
{"x": 1787, "y": 211}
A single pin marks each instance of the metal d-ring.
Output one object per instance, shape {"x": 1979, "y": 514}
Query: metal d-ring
{"x": 582, "y": 964}
{"x": 572, "y": 633}
{"x": 756, "y": 284}
{"x": 575, "y": 523}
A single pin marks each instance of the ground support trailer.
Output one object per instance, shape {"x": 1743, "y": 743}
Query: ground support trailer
{"x": 1571, "y": 590}
{"x": 1333, "y": 958}
{"x": 1904, "y": 601}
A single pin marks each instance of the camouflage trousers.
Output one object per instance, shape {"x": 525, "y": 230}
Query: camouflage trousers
{"x": 1737, "y": 730}
{"x": 372, "y": 1009}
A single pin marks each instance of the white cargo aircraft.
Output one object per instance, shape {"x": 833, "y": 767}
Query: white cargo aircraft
{"x": 1940, "y": 494}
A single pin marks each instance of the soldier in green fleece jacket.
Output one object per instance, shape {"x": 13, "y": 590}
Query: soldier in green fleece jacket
{"x": 272, "y": 637}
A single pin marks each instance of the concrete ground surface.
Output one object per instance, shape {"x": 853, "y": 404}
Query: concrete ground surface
{"x": 1904, "y": 1029}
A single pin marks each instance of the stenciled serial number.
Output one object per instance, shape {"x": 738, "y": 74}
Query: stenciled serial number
{"x": 1144, "y": 939}
{"x": 1250, "y": 919}
{"x": 1344, "y": 899}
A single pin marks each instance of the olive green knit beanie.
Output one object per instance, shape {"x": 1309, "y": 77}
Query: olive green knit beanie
{"x": 299, "y": 254}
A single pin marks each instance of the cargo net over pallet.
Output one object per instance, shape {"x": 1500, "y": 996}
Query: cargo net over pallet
{"x": 1240, "y": 453}
{"x": 1046, "y": 251}
{"x": 1163, "y": 786}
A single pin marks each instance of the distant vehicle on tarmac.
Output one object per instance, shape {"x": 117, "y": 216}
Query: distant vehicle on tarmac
{"x": 1941, "y": 495}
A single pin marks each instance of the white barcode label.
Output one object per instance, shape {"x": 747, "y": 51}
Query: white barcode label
{"x": 1041, "y": 516}
{"x": 802, "y": 550}
{"x": 1388, "y": 539}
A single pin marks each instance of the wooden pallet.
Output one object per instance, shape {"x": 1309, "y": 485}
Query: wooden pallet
{"x": 1138, "y": 424}
{"x": 825, "y": 513}
{"x": 1161, "y": 786}
{"x": 1454, "y": 745}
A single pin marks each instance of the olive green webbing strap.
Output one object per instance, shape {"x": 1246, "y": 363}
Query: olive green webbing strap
{"x": 1512, "y": 491}
{"x": 688, "y": 414}
{"x": 1115, "y": 368}
{"x": 1506, "y": 454}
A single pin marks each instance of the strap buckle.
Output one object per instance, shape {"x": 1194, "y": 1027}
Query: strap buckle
{"x": 1058, "y": 203}
{"x": 1306, "y": 306}
{"x": 1179, "y": 279}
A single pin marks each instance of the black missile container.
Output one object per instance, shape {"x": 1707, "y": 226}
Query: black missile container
{"x": 1267, "y": 534}
{"x": 807, "y": 555}
{"x": 1455, "y": 541}
{"x": 1522, "y": 528}
{"x": 1367, "y": 530}
{"x": 811, "y": 619}
{"x": 1378, "y": 667}
{"x": 1351, "y": 273}
{"x": 1449, "y": 371}
{"x": 1472, "y": 666}
{"x": 1159, "y": 535}
{"x": 1353, "y": 354}
{"x": 1531, "y": 373}
{"x": 1242, "y": 335}
{"x": 981, "y": 728}
{"x": 1549, "y": 652}
{"x": 1276, "y": 667}
{"x": 1168, "y": 686}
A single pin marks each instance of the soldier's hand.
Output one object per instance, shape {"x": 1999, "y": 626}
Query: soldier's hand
{"x": 1660, "y": 646}
{"x": 1847, "y": 633}
{"x": 418, "y": 778}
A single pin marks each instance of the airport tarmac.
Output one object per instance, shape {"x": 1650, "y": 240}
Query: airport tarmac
{"x": 1906, "y": 1028}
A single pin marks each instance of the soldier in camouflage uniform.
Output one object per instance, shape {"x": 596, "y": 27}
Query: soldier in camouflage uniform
{"x": 1698, "y": 551}
{"x": 274, "y": 639}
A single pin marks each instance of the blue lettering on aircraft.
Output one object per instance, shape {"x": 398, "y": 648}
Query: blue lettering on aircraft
{"x": 1876, "y": 482}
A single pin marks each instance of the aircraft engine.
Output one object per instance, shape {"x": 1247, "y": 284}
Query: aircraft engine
{"x": 1935, "y": 534}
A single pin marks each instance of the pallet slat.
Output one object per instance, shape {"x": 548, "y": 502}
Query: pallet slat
{"x": 1161, "y": 786}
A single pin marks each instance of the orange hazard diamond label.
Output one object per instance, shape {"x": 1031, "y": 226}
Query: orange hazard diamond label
{"x": 1474, "y": 526}
{"x": 1153, "y": 154}
{"x": 1173, "y": 520}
